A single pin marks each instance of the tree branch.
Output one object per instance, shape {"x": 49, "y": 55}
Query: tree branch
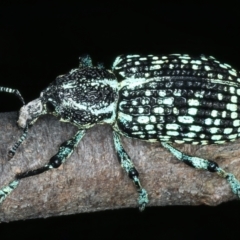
{"x": 92, "y": 179}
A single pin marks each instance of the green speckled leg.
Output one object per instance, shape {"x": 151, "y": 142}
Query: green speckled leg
{"x": 128, "y": 166}
{"x": 64, "y": 152}
{"x": 24, "y": 134}
{"x": 13, "y": 150}
{"x": 5, "y": 191}
{"x": 204, "y": 164}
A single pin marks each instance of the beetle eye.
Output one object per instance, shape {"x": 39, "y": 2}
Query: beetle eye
{"x": 50, "y": 107}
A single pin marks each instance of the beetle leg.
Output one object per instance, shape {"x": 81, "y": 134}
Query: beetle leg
{"x": 128, "y": 166}
{"x": 204, "y": 164}
{"x": 13, "y": 150}
{"x": 64, "y": 152}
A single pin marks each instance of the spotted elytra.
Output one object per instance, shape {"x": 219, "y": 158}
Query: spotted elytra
{"x": 167, "y": 98}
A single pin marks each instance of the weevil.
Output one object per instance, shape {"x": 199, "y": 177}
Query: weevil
{"x": 169, "y": 99}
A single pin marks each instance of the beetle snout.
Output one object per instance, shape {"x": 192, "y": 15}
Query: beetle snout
{"x": 29, "y": 113}
{"x": 23, "y": 117}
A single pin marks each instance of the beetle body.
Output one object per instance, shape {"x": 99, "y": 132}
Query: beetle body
{"x": 178, "y": 99}
{"x": 170, "y": 99}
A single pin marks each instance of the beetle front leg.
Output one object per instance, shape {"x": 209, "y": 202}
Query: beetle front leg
{"x": 13, "y": 150}
{"x": 128, "y": 166}
{"x": 64, "y": 152}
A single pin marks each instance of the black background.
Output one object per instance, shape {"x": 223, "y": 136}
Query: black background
{"x": 40, "y": 40}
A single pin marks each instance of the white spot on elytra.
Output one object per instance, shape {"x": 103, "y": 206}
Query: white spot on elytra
{"x": 208, "y": 121}
{"x": 175, "y": 111}
{"x": 168, "y": 101}
{"x": 202, "y": 136}
{"x": 220, "y": 96}
{"x": 158, "y": 110}
{"x": 195, "y": 67}
{"x": 207, "y": 68}
{"x": 154, "y": 67}
{"x": 217, "y": 122}
{"x": 184, "y": 61}
{"x": 171, "y": 66}
{"x": 132, "y": 56}
{"x": 232, "y": 72}
{"x": 162, "y": 93}
{"x": 236, "y": 123}
{"x": 216, "y": 137}
{"x": 220, "y": 142}
{"x": 213, "y": 130}
{"x": 185, "y": 119}
{"x": 179, "y": 141}
{"x": 172, "y": 133}
{"x": 143, "y": 119}
{"x": 232, "y": 90}
{"x": 149, "y": 127}
{"x": 196, "y": 62}
{"x": 133, "y": 69}
{"x": 159, "y": 126}
{"x": 210, "y": 75}
{"x": 187, "y": 139}
{"x": 234, "y": 115}
{"x": 234, "y": 99}
{"x": 220, "y": 76}
{"x": 214, "y": 113}
{"x": 147, "y": 74}
{"x": 199, "y": 94}
{"x": 153, "y": 119}
{"x": 227, "y": 65}
{"x": 192, "y": 111}
{"x": 224, "y": 114}
{"x": 135, "y": 128}
{"x": 232, "y": 107}
{"x": 193, "y": 102}
{"x": 195, "y": 128}
{"x": 232, "y": 136}
{"x": 172, "y": 126}
{"x": 148, "y": 93}
{"x": 125, "y": 93}
{"x": 223, "y": 66}
{"x": 227, "y": 130}
{"x": 204, "y": 58}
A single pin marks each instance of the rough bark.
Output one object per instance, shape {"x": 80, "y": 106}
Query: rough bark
{"x": 92, "y": 179}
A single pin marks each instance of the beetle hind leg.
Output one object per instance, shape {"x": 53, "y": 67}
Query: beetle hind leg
{"x": 128, "y": 166}
{"x": 211, "y": 166}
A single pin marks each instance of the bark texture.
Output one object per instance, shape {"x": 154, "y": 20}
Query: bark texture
{"x": 92, "y": 179}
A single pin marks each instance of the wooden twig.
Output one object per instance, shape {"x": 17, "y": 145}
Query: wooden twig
{"x": 92, "y": 179}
